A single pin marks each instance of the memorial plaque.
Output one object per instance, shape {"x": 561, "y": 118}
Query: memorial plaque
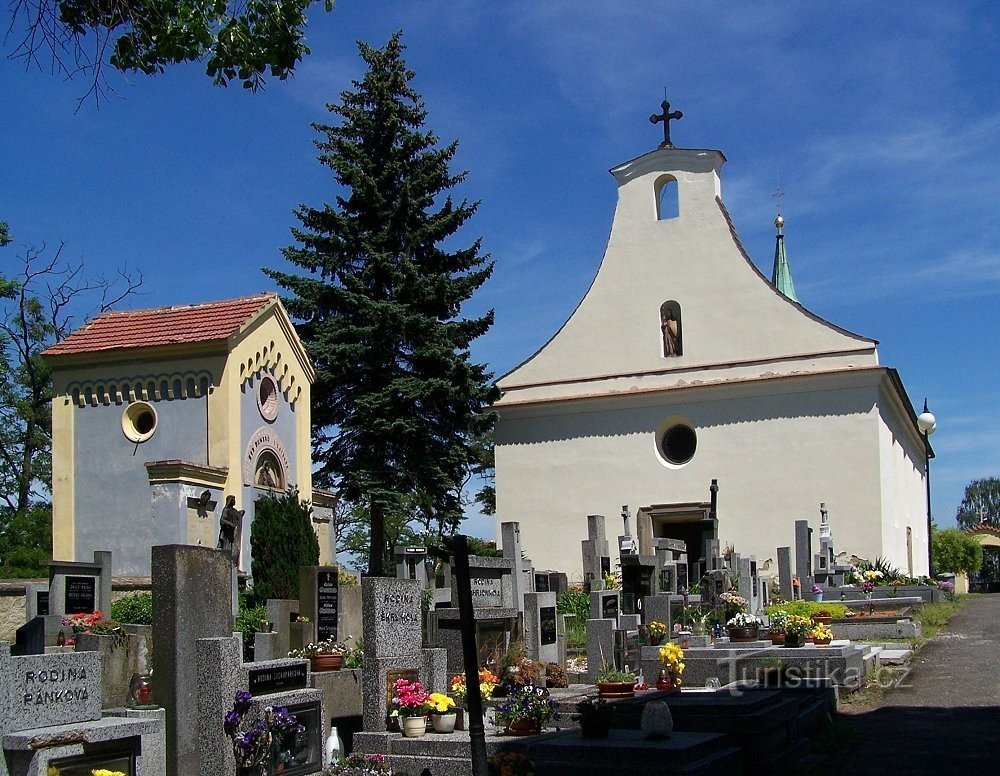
{"x": 81, "y": 595}
{"x": 264, "y": 681}
{"x": 41, "y": 603}
{"x": 541, "y": 583}
{"x": 327, "y": 603}
{"x": 547, "y": 624}
{"x": 299, "y": 750}
{"x": 609, "y": 607}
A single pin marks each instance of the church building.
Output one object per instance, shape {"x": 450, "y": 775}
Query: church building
{"x": 159, "y": 415}
{"x": 683, "y": 364}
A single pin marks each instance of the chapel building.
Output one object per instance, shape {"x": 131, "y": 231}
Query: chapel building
{"x": 159, "y": 415}
{"x": 683, "y": 364}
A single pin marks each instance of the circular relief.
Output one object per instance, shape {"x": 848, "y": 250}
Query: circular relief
{"x": 139, "y": 421}
{"x": 267, "y": 398}
{"x": 679, "y": 444}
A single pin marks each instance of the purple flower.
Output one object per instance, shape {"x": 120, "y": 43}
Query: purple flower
{"x": 242, "y": 703}
{"x": 232, "y": 721}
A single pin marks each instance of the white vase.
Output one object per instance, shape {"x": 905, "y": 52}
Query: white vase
{"x": 413, "y": 727}
{"x": 444, "y": 723}
{"x": 657, "y": 723}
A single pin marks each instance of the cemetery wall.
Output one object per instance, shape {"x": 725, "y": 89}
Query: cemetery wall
{"x": 12, "y": 604}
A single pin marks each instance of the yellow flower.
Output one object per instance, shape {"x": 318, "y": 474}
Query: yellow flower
{"x": 440, "y": 702}
{"x": 105, "y": 772}
{"x": 671, "y": 654}
{"x": 486, "y": 689}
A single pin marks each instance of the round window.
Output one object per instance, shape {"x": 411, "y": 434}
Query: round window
{"x": 679, "y": 443}
{"x": 267, "y": 398}
{"x": 139, "y": 421}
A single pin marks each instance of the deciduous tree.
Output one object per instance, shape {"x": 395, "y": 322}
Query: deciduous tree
{"x": 398, "y": 406}
{"x": 981, "y": 503}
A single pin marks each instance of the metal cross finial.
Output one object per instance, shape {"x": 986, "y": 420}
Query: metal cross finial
{"x": 665, "y": 117}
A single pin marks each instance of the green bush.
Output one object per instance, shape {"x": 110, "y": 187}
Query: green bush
{"x": 248, "y": 620}
{"x": 135, "y": 609}
{"x": 576, "y": 603}
{"x": 808, "y": 608}
{"x": 282, "y": 539}
{"x": 956, "y": 551}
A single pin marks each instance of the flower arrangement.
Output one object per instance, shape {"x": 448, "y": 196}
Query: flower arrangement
{"x": 409, "y": 699}
{"x": 487, "y": 684}
{"x": 359, "y": 764}
{"x": 733, "y": 602}
{"x": 611, "y": 674}
{"x": 96, "y": 624}
{"x": 328, "y": 647}
{"x": 105, "y": 772}
{"x": 656, "y": 629}
{"x": 256, "y": 744}
{"x": 355, "y": 655}
{"x": 816, "y": 590}
{"x": 797, "y": 625}
{"x": 744, "y": 620}
{"x": 777, "y": 621}
{"x": 672, "y": 657}
{"x": 948, "y": 588}
{"x": 510, "y": 764}
{"x": 440, "y": 703}
{"x": 612, "y": 581}
{"x": 821, "y": 632}
{"x": 526, "y": 702}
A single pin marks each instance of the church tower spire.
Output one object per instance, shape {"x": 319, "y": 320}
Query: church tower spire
{"x": 781, "y": 275}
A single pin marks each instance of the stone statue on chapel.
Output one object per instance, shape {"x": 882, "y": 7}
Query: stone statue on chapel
{"x": 671, "y": 329}
{"x": 231, "y": 528}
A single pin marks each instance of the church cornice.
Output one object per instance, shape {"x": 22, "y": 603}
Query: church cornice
{"x": 187, "y": 472}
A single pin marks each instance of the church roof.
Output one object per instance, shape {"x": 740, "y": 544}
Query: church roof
{"x": 781, "y": 275}
{"x": 159, "y": 326}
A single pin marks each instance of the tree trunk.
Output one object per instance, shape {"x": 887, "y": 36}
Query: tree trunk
{"x": 376, "y": 546}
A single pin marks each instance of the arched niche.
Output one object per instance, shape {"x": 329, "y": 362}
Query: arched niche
{"x": 667, "y": 197}
{"x": 671, "y": 329}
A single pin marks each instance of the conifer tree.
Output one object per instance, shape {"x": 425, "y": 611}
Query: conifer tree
{"x": 398, "y": 405}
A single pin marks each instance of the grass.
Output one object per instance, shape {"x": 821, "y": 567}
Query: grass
{"x": 933, "y": 617}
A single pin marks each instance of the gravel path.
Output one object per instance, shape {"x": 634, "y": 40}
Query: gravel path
{"x": 942, "y": 718}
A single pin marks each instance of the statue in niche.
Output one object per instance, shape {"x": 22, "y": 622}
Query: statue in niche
{"x": 231, "y": 529}
{"x": 267, "y": 475}
{"x": 671, "y": 329}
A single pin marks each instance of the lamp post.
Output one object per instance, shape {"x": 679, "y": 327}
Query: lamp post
{"x": 927, "y": 424}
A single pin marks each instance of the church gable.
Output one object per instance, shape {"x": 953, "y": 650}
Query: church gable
{"x": 676, "y": 300}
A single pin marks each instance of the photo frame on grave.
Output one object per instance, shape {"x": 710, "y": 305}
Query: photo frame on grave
{"x": 682, "y": 576}
{"x": 112, "y": 756}
{"x": 666, "y": 580}
{"x": 605, "y": 565}
{"x": 300, "y": 751}
{"x": 541, "y": 583}
{"x": 720, "y": 586}
{"x": 547, "y": 625}
{"x": 609, "y": 607}
{"x": 81, "y": 595}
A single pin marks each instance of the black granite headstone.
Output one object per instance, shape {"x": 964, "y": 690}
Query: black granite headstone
{"x": 29, "y": 639}
{"x": 41, "y": 603}
{"x": 547, "y": 624}
{"x": 327, "y": 603}
{"x": 541, "y": 583}
{"x": 81, "y": 595}
{"x": 609, "y": 607}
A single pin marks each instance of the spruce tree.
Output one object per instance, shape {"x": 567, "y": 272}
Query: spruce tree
{"x": 398, "y": 405}
{"x": 281, "y": 539}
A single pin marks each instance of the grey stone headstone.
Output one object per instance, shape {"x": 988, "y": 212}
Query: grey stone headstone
{"x": 785, "y": 572}
{"x": 511, "y": 537}
{"x": 658, "y": 608}
{"x": 192, "y": 591}
{"x": 558, "y": 582}
{"x": 591, "y": 561}
{"x": 391, "y": 616}
{"x": 279, "y": 613}
{"x": 36, "y": 601}
{"x": 605, "y": 604}
{"x": 600, "y": 646}
{"x": 45, "y": 690}
{"x": 803, "y": 553}
{"x": 492, "y": 583}
{"x": 541, "y": 627}
{"x": 628, "y": 622}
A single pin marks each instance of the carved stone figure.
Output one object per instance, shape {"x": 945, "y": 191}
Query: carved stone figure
{"x": 671, "y": 334}
{"x": 230, "y": 528}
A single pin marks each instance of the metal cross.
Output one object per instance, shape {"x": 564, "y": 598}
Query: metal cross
{"x": 665, "y": 117}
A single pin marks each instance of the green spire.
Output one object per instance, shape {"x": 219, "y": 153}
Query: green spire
{"x": 781, "y": 275}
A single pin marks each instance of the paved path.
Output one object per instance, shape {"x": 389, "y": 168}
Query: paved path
{"x": 943, "y": 718}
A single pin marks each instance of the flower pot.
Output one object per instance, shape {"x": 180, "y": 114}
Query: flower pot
{"x": 413, "y": 727}
{"x": 817, "y": 596}
{"x": 523, "y": 727}
{"x": 654, "y": 641}
{"x": 794, "y": 639}
{"x": 822, "y": 619}
{"x": 616, "y": 689}
{"x": 744, "y": 635}
{"x": 777, "y": 638}
{"x": 822, "y": 642}
{"x": 444, "y": 723}
{"x": 326, "y": 662}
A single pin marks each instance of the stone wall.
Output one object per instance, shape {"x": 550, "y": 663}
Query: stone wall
{"x": 12, "y": 611}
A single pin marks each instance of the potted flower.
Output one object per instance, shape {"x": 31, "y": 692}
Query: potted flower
{"x": 821, "y": 634}
{"x": 797, "y": 628}
{"x": 822, "y": 616}
{"x": 594, "y": 717}
{"x": 443, "y": 714}
{"x": 410, "y": 706}
{"x": 524, "y": 710}
{"x": 817, "y": 593}
{"x": 359, "y": 764}
{"x": 323, "y": 656}
{"x": 656, "y": 630}
{"x": 733, "y": 602}
{"x": 612, "y": 683}
{"x": 671, "y": 658}
{"x": 744, "y": 627}
{"x": 776, "y": 628}
{"x": 488, "y": 682}
{"x": 94, "y": 623}
{"x": 258, "y": 744}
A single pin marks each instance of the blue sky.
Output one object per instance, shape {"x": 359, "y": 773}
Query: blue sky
{"x": 882, "y": 120}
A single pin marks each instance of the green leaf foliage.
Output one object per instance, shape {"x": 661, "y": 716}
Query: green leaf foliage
{"x": 134, "y": 609}
{"x": 398, "y": 406}
{"x": 981, "y": 504}
{"x": 242, "y": 40}
{"x": 955, "y": 551}
{"x": 282, "y": 539}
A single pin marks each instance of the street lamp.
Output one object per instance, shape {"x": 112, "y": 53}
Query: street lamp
{"x": 927, "y": 424}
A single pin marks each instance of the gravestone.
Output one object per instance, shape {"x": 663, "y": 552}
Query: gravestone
{"x": 29, "y": 639}
{"x": 596, "y": 555}
{"x": 541, "y": 627}
{"x": 803, "y": 554}
{"x": 391, "y": 623}
{"x": 411, "y": 563}
{"x": 605, "y": 605}
{"x": 36, "y": 601}
{"x": 785, "y": 573}
{"x": 541, "y": 582}
{"x": 600, "y": 646}
{"x": 638, "y": 581}
{"x": 80, "y": 588}
{"x": 511, "y": 537}
{"x": 319, "y": 600}
{"x": 192, "y": 599}
{"x": 50, "y": 715}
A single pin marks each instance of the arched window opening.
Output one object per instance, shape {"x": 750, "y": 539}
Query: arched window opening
{"x": 667, "y": 198}
{"x": 670, "y": 329}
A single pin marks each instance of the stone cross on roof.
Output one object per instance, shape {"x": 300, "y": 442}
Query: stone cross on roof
{"x": 665, "y": 117}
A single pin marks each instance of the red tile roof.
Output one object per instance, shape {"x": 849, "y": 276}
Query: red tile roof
{"x": 162, "y": 326}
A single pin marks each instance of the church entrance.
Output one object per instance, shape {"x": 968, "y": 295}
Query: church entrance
{"x": 690, "y": 523}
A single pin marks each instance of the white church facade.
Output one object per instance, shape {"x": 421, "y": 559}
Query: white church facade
{"x": 683, "y": 364}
